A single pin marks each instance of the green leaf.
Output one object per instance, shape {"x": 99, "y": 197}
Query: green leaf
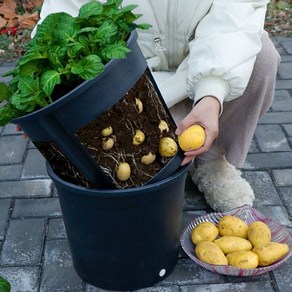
{"x": 30, "y": 68}
{"x": 67, "y": 30}
{"x": 28, "y": 85}
{"x": 106, "y": 32}
{"x": 115, "y": 3}
{"x": 4, "y": 92}
{"x": 22, "y": 103}
{"x": 46, "y": 31}
{"x": 144, "y": 26}
{"x": 49, "y": 80}
{"x": 32, "y": 55}
{"x": 74, "y": 48}
{"x": 90, "y": 9}
{"x": 115, "y": 51}
{"x": 128, "y": 8}
{"x": 4, "y": 284}
{"x": 10, "y": 72}
{"x": 89, "y": 67}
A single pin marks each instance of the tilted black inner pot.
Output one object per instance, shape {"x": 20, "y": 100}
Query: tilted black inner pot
{"x": 57, "y": 122}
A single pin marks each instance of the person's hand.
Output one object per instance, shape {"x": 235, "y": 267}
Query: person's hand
{"x": 205, "y": 113}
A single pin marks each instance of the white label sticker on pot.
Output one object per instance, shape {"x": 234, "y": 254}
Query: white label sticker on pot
{"x": 162, "y": 272}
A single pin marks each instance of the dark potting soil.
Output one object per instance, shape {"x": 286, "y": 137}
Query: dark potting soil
{"x": 125, "y": 119}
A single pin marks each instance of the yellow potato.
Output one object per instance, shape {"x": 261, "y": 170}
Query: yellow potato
{"x": 123, "y": 171}
{"x": 244, "y": 259}
{"x": 258, "y": 233}
{"x": 270, "y": 252}
{"x": 205, "y": 231}
{"x": 167, "y": 147}
{"x": 231, "y": 225}
{"x": 210, "y": 253}
{"x": 229, "y": 244}
{"x": 138, "y": 138}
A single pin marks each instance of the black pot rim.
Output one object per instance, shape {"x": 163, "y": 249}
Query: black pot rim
{"x": 115, "y": 192}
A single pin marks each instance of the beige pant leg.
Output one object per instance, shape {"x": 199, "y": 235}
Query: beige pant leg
{"x": 240, "y": 116}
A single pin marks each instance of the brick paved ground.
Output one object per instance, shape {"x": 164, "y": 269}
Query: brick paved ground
{"x": 34, "y": 253}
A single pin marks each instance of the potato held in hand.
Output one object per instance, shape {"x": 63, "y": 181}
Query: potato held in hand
{"x": 258, "y": 233}
{"x": 210, "y": 253}
{"x": 270, "y": 252}
{"x": 243, "y": 259}
{"x": 231, "y": 225}
{"x": 229, "y": 244}
{"x": 192, "y": 138}
{"x": 205, "y": 231}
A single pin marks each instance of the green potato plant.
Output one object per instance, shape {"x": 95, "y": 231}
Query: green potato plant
{"x": 64, "y": 52}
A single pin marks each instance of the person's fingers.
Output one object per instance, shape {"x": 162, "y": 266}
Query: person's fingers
{"x": 184, "y": 124}
{"x": 19, "y": 129}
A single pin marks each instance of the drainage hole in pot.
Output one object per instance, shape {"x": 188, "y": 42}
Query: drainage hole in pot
{"x": 162, "y": 272}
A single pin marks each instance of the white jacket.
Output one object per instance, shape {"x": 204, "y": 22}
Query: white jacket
{"x": 195, "y": 47}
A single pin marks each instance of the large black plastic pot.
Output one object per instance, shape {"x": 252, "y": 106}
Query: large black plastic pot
{"x": 57, "y": 122}
{"x": 123, "y": 239}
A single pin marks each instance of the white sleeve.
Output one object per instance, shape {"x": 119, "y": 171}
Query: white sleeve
{"x": 53, "y": 6}
{"x": 224, "y": 49}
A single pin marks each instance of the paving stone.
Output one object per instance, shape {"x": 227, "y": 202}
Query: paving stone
{"x": 288, "y": 129}
{"x": 277, "y": 213}
{"x": 23, "y": 244}
{"x": 253, "y": 148}
{"x": 34, "y": 165}
{"x": 286, "y": 194}
{"x": 12, "y": 149}
{"x": 10, "y": 172}
{"x": 271, "y": 138}
{"x": 283, "y": 177}
{"x": 282, "y": 101}
{"x": 58, "y": 273}
{"x": 45, "y": 207}
{"x": 283, "y": 276}
{"x": 25, "y": 188}
{"x": 56, "y": 229}
{"x": 237, "y": 287}
{"x": 155, "y": 289}
{"x": 188, "y": 272}
{"x": 268, "y": 160}
{"x": 4, "y": 212}
{"x": 10, "y": 129}
{"x": 193, "y": 198}
{"x": 283, "y": 84}
{"x": 4, "y": 69}
{"x": 285, "y": 71}
{"x": 276, "y": 118}
{"x": 22, "y": 279}
{"x": 287, "y": 46}
{"x": 286, "y": 58}
{"x": 263, "y": 187}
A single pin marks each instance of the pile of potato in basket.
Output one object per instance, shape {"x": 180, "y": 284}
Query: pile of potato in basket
{"x": 232, "y": 242}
